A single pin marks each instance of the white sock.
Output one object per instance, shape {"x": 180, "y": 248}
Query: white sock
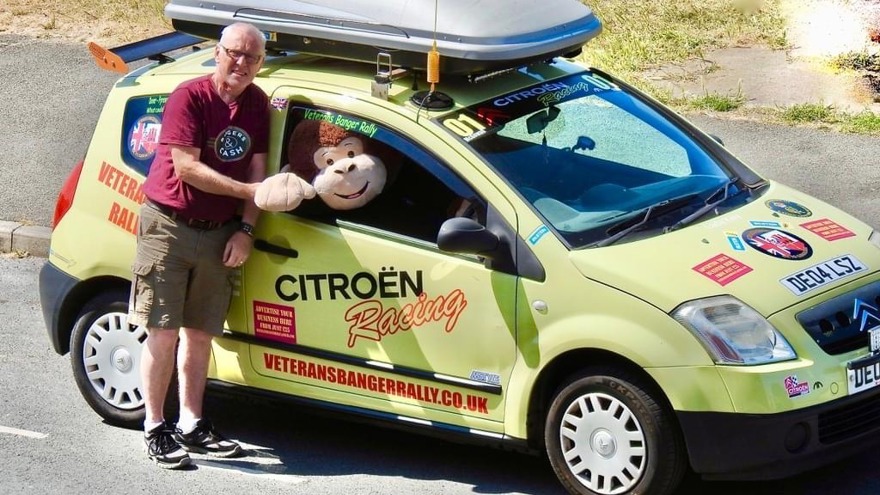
{"x": 187, "y": 424}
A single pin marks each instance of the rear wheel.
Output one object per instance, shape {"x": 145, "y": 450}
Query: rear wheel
{"x": 105, "y": 354}
{"x": 606, "y": 434}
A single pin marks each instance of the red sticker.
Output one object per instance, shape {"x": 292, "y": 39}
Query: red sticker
{"x": 722, "y": 269}
{"x": 275, "y": 322}
{"x": 828, "y": 229}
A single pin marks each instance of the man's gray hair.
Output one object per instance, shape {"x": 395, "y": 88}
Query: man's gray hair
{"x": 247, "y": 28}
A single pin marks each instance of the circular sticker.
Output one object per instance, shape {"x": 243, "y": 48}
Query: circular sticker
{"x": 787, "y": 207}
{"x": 143, "y": 137}
{"x": 232, "y": 144}
{"x": 777, "y": 243}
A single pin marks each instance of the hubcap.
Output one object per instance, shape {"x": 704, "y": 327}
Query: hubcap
{"x": 111, "y": 357}
{"x": 603, "y": 444}
{"x": 122, "y": 359}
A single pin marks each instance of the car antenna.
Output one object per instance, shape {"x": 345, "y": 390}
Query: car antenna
{"x": 434, "y": 55}
{"x": 431, "y": 99}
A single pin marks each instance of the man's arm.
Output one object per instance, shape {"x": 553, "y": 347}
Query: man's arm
{"x": 195, "y": 173}
{"x": 256, "y": 176}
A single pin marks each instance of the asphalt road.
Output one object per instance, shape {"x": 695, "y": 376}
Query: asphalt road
{"x": 50, "y": 442}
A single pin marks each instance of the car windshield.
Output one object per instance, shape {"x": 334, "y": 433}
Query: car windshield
{"x": 594, "y": 160}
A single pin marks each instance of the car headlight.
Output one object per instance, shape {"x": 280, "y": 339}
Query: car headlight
{"x": 732, "y": 332}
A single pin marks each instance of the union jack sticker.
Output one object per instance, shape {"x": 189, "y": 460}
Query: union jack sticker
{"x": 279, "y": 103}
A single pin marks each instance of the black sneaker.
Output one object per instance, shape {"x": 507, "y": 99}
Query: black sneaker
{"x": 163, "y": 449}
{"x": 205, "y": 440}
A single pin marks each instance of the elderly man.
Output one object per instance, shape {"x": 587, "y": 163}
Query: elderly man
{"x": 210, "y": 160}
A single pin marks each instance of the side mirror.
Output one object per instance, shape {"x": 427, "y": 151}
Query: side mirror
{"x": 465, "y": 235}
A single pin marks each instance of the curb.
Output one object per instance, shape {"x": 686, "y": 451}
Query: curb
{"x": 29, "y": 239}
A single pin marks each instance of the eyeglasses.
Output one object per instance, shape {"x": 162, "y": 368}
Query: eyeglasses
{"x": 236, "y": 55}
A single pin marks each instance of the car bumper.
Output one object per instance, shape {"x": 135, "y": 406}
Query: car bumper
{"x": 772, "y": 446}
{"x": 55, "y": 286}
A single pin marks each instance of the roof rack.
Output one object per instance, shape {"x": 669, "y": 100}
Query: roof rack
{"x": 473, "y": 36}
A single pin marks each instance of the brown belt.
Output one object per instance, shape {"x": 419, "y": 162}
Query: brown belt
{"x": 194, "y": 223}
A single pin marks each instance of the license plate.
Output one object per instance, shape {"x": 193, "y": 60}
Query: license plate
{"x": 874, "y": 334}
{"x": 863, "y": 374}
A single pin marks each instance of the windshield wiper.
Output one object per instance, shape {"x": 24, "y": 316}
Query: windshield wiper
{"x": 706, "y": 208}
{"x": 644, "y": 216}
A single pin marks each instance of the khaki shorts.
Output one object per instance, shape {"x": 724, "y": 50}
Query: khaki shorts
{"x": 179, "y": 276}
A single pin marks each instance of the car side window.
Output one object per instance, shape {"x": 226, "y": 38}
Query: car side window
{"x": 419, "y": 194}
{"x": 141, "y": 123}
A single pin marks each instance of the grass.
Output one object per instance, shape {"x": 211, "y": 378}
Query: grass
{"x": 650, "y": 33}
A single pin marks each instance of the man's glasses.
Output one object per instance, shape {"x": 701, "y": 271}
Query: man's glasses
{"x": 235, "y": 55}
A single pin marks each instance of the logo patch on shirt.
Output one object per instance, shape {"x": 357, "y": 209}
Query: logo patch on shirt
{"x": 232, "y": 144}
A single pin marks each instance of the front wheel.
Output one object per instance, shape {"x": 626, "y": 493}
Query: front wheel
{"x": 607, "y": 435}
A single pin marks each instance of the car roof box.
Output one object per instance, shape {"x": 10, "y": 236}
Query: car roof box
{"x": 472, "y": 36}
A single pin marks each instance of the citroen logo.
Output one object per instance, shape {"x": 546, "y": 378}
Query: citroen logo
{"x": 868, "y": 316}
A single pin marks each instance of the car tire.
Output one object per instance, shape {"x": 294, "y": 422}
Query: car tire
{"x": 105, "y": 354}
{"x": 607, "y": 434}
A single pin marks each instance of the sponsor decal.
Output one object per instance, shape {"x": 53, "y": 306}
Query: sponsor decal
{"x": 762, "y": 223}
{"x": 275, "y": 322}
{"x": 375, "y": 383}
{"x": 734, "y": 241}
{"x": 777, "y": 243}
{"x": 796, "y": 388}
{"x": 349, "y": 124}
{"x": 824, "y": 273}
{"x": 126, "y": 186}
{"x": 828, "y": 229}
{"x": 473, "y": 122}
{"x": 279, "y": 103}
{"x": 722, "y": 269}
{"x": 485, "y": 377}
{"x": 370, "y": 319}
{"x": 492, "y": 116}
{"x": 789, "y": 208}
{"x": 232, "y": 144}
{"x": 387, "y": 284}
{"x": 538, "y": 234}
{"x": 143, "y": 137}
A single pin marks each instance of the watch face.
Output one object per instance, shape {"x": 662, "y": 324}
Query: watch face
{"x": 247, "y": 228}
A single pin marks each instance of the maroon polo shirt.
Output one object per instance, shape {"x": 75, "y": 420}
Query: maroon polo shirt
{"x": 228, "y": 134}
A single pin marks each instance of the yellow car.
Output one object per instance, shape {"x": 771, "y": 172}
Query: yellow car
{"x": 557, "y": 263}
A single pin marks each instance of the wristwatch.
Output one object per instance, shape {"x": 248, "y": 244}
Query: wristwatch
{"x": 246, "y": 228}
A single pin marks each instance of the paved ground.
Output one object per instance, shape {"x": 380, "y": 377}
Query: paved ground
{"x": 817, "y": 30}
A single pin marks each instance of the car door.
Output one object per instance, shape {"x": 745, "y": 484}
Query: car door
{"x": 360, "y": 307}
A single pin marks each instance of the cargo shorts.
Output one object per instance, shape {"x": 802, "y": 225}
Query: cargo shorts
{"x": 179, "y": 276}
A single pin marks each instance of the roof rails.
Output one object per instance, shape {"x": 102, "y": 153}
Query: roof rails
{"x": 155, "y": 48}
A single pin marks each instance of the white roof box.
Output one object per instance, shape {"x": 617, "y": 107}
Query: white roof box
{"x": 471, "y": 35}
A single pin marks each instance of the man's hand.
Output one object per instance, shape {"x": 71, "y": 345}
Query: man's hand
{"x": 238, "y": 248}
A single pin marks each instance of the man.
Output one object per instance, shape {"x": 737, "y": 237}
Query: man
{"x": 210, "y": 160}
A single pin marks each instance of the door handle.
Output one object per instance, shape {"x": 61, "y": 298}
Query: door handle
{"x": 270, "y": 248}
